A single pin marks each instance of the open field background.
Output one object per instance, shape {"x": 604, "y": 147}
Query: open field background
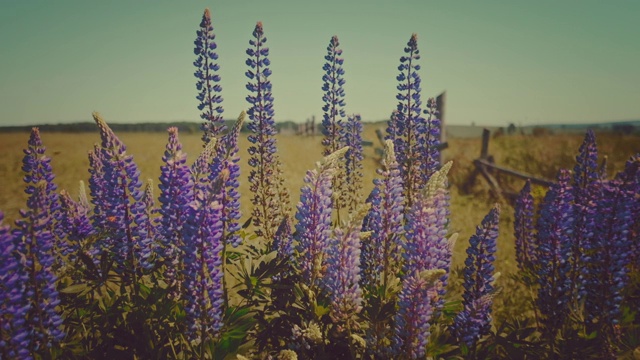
{"x": 541, "y": 156}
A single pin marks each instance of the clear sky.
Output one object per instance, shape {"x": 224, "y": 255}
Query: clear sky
{"x": 527, "y": 62}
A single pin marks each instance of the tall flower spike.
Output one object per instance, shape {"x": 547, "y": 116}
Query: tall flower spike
{"x": 97, "y": 187}
{"x": 225, "y": 163}
{"x": 208, "y": 85}
{"x": 381, "y": 252}
{"x": 555, "y": 234}
{"x": 37, "y": 167}
{"x": 269, "y": 195}
{"x": 352, "y": 137}
{"x": 39, "y": 296}
{"x": 612, "y": 255}
{"x": 203, "y": 267}
{"x": 586, "y": 187}
{"x": 333, "y": 97}
{"x": 474, "y": 320}
{"x": 176, "y": 193}
{"x": 343, "y": 270}
{"x": 13, "y": 309}
{"x": 427, "y": 247}
{"x": 123, "y": 210}
{"x": 313, "y": 229}
{"x": 148, "y": 225}
{"x": 431, "y": 142}
{"x": 76, "y": 224}
{"x": 413, "y": 320}
{"x": 523, "y": 228}
{"x": 407, "y": 127}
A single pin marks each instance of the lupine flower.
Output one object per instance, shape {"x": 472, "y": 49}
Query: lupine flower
{"x": 613, "y": 245}
{"x": 176, "y": 193}
{"x": 147, "y": 223}
{"x": 419, "y": 292}
{"x": 474, "y": 320}
{"x": 75, "y": 223}
{"x": 203, "y": 267}
{"x": 36, "y": 316}
{"x": 408, "y": 127}
{"x": 633, "y": 167}
{"x": 271, "y": 198}
{"x": 555, "y": 234}
{"x": 14, "y": 329}
{"x": 431, "y": 142}
{"x": 351, "y": 136}
{"x": 226, "y": 162}
{"x": 523, "y": 228}
{"x": 381, "y": 252}
{"x": 123, "y": 210}
{"x": 313, "y": 230}
{"x": 427, "y": 247}
{"x": 333, "y": 97}
{"x": 97, "y": 187}
{"x": 342, "y": 281}
{"x": 586, "y": 179}
{"x": 37, "y": 167}
{"x": 208, "y": 85}
{"x": 283, "y": 241}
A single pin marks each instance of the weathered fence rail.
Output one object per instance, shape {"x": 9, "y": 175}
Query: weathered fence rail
{"x": 488, "y": 169}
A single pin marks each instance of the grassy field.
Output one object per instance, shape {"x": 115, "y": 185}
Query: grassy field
{"x": 541, "y": 156}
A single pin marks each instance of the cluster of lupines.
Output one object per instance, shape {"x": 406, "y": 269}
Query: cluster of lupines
{"x": 582, "y": 250}
{"x": 406, "y": 250}
{"x": 271, "y": 198}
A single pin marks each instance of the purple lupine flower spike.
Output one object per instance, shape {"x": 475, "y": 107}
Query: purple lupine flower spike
{"x": 208, "y": 85}
{"x": 523, "y": 228}
{"x": 612, "y": 254}
{"x": 333, "y": 97}
{"x": 283, "y": 241}
{"x": 381, "y": 252}
{"x": 203, "y": 267}
{"x": 474, "y": 321}
{"x": 555, "y": 235}
{"x": 426, "y": 246}
{"x": 586, "y": 181}
{"x": 227, "y": 161}
{"x": 351, "y": 136}
{"x": 431, "y": 142}
{"x": 123, "y": 210}
{"x": 407, "y": 127}
{"x": 342, "y": 281}
{"x": 38, "y": 295}
{"x": 176, "y": 193}
{"x": 270, "y": 197}
{"x": 76, "y": 224}
{"x": 97, "y": 187}
{"x": 37, "y": 167}
{"x": 147, "y": 223}
{"x": 313, "y": 229}
{"x": 13, "y": 310}
{"x": 413, "y": 321}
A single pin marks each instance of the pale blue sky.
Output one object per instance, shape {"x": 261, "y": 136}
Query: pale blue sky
{"x": 526, "y": 62}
